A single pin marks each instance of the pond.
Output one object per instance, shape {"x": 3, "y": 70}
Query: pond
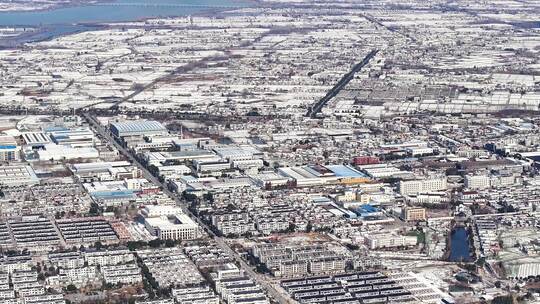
{"x": 459, "y": 245}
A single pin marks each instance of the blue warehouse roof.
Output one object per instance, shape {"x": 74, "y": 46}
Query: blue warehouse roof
{"x": 137, "y": 126}
{"x": 7, "y": 147}
{"x": 345, "y": 171}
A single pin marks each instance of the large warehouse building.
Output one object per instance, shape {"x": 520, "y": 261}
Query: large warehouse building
{"x": 137, "y": 128}
{"x": 312, "y": 175}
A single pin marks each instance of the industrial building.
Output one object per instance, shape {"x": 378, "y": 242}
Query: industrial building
{"x": 137, "y": 128}
{"x": 155, "y": 158}
{"x": 74, "y": 138}
{"x": 35, "y": 139}
{"x": 60, "y": 152}
{"x": 313, "y": 175}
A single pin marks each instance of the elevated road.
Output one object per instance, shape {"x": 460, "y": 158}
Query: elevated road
{"x": 260, "y": 279}
{"x": 342, "y": 83}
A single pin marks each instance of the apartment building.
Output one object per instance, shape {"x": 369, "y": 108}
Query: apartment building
{"x": 123, "y": 273}
{"x": 412, "y": 214}
{"x": 9, "y": 149}
{"x": 389, "y": 240}
{"x": 412, "y": 187}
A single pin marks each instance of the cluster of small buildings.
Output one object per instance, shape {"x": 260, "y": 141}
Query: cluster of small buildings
{"x": 93, "y": 268}
{"x": 235, "y": 286}
{"x": 297, "y": 260}
{"x": 170, "y": 267}
{"x": 38, "y": 233}
{"x": 360, "y": 287}
{"x": 22, "y": 286}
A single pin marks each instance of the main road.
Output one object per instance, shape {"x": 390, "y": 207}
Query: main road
{"x": 260, "y": 279}
{"x": 342, "y": 83}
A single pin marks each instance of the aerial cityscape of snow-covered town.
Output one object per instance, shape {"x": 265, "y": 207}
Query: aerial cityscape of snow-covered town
{"x": 278, "y": 151}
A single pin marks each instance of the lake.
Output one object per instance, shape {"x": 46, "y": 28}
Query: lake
{"x": 68, "y": 20}
{"x": 120, "y": 10}
{"x": 459, "y": 245}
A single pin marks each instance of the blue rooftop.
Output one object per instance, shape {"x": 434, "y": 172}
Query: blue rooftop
{"x": 137, "y": 126}
{"x": 113, "y": 194}
{"x": 367, "y": 209}
{"x": 345, "y": 171}
{"x": 54, "y": 129}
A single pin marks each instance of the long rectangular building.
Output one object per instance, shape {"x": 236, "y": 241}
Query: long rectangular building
{"x": 137, "y": 128}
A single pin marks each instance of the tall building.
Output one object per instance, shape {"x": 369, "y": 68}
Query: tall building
{"x": 413, "y": 214}
{"x": 477, "y": 182}
{"x": 413, "y": 187}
